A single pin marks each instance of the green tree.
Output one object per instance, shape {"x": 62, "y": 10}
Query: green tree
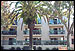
{"x": 56, "y": 11}
{"x": 28, "y": 10}
{"x": 68, "y": 5}
{"x": 58, "y": 7}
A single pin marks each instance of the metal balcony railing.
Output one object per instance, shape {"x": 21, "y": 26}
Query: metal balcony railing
{"x": 14, "y": 42}
{"x": 35, "y": 42}
{"x": 57, "y": 31}
{"x": 34, "y": 32}
{"x": 9, "y": 32}
{"x": 54, "y": 42}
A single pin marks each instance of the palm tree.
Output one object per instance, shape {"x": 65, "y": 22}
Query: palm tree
{"x": 7, "y": 17}
{"x": 4, "y": 12}
{"x": 28, "y": 10}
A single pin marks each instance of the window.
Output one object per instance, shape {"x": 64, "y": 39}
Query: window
{"x": 72, "y": 41}
{"x": 71, "y": 33}
{"x": 26, "y": 39}
{"x": 55, "y": 21}
{"x": 59, "y": 28}
{"x": 12, "y": 41}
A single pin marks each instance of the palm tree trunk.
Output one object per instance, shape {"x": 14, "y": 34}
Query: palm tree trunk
{"x": 30, "y": 38}
{"x": 31, "y": 26}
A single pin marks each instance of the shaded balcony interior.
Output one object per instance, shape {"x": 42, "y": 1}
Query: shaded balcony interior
{"x": 37, "y": 21}
{"x": 10, "y": 31}
{"x": 55, "y": 21}
{"x": 57, "y": 31}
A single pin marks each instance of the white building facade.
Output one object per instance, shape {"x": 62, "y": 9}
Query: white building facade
{"x": 52, "y": 35}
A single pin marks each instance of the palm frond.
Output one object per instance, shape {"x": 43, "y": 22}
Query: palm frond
{"x": 16, "y": 4}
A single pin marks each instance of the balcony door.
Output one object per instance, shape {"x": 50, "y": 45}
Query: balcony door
{"x": 55, "y": 31}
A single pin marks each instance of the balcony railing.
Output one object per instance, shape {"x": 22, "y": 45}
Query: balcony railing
{"x": 35, "y": 42}
{"x": 57, "y": 31}
{"x": 26, "y": 32}
{"x": 14, "y": 42}
{"x": 34, "y": 32}
{"x": 9, "y": 32}
{"x": 54, "y": 42}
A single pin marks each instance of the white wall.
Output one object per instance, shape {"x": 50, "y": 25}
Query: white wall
{"x": 44, "y": 29}
{"x": 19, "y": 31}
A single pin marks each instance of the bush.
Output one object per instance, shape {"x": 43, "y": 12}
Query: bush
{"x": 18, "y": 48}
{"x": 12, "y": 48}
{"x": 26, "y": 48}
{"x": 39, "y": 48}
{"x": 34, "y": 47}
{"x": 47, "y": 49}
{"x": 2, "y": 48}
{"x": 55, "y": 48}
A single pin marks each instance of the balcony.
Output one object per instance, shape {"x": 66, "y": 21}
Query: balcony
{"x": 14, "y": 42}
{"x": 35, "y": 42}
{"x": 9, "y": 32}
{"x": 57, "y": 31}
{"x": 34, "y": 32}
{"x": 54, "y": 42}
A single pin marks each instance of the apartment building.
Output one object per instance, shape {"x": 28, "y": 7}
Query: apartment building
{"x": 45, "y": 35}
